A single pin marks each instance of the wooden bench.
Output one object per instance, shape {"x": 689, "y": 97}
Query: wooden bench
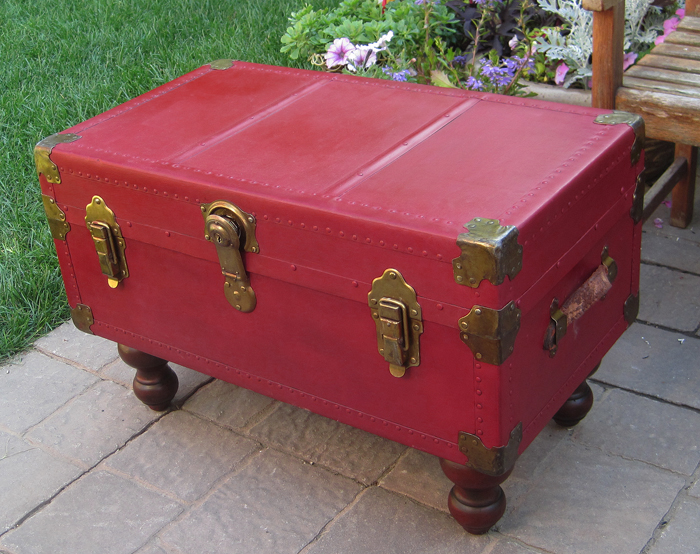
{"x": 663, "y": 88}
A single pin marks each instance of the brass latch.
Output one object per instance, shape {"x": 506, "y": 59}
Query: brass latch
{"x": 398, "y": 318}
{"x": 108, "y": 239}
{"x": 232, "y": 230}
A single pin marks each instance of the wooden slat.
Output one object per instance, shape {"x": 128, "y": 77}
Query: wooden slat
{"x": 677, "y": 50}
{"x": 681, "y": 37}
{"x": 663, "y": 186}
{"x": 666, "y": 116}
{"x": 691, "y": 24}
{"x": 665, "y": 75}
{"x": 666, "y": 62}
{"x": 608, "y": 52}
{"x": 661, "y": 86}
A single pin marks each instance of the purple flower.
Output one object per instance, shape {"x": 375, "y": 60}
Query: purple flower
{"x": 338, "y": 52}
{"x": 474, "y": 84}
{"x": 659, "y": 223}
{"x": 398, "y": 75}
{"x": 560, "y": 73}
{"x": 628, "y": 60}
{"x": 459, "y": 60}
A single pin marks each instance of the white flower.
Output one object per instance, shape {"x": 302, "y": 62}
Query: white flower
{"x": 513, "y": 42}
{"x": 338, "y": 52}
{"x": 382, "y": 42}
{"x": 361, "y": 57}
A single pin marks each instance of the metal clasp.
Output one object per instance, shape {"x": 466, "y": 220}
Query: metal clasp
{"x": 232, "y": 230}
{"x": 397, "y": 315}
{"x": 108, "y": 239}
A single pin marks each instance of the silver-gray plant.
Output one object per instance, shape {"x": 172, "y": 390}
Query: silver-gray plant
{"x": 573, "y": 44}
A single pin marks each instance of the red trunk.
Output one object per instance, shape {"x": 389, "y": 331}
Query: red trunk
{"x": 345, "y": 178}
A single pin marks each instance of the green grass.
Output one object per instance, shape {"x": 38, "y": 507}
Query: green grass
{"x": 64, "y": 61}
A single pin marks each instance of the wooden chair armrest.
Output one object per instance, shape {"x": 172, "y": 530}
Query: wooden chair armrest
{"x": 600, "y": 5}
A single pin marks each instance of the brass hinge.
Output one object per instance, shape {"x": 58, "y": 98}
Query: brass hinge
{"x": 56, "y": 217}
{"x": 41, "y": 155}
{"x": 82, "y": 318}
{"x": 491, "y": 461}
{"x": 489, "y": 251}
{"x": 631, "y": 308}
{"x": 489, "y": 333}
{"x": 634, "y": 121}
{"x": 108, "y": 239}
{"x": 221, "y": 64}
{"x": 398, "y": 318}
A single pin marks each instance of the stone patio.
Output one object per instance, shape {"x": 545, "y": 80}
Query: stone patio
{"x": 86, "y": 468}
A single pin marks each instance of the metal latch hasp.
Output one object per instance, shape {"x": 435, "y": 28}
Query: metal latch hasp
{"x": 398, "y": 318}
{"x": 108, "y": 239}
{"x": 232, "y": 230}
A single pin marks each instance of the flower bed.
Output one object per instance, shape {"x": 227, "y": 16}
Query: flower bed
{"x": 486, "y": 45}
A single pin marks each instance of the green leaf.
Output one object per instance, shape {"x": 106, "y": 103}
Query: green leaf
{"x": 440, "y": 79}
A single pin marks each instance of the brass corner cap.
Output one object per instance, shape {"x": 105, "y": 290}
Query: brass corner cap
{"x": 631, "y": 308}
{"x": 490, "y": 334}
{"x": 222, "y": 64}
{"x": 489, "y": 251}
{"x": 82, "y": 318}
{"x": 491, "y": 461}
{"x": 633, "y": 120}
{"x": 43, "y": 149}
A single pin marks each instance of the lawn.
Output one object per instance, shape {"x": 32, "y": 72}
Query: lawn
{"x": 64, "y": 61}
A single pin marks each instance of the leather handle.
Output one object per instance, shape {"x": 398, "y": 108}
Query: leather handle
{"x": 593, "y": 290}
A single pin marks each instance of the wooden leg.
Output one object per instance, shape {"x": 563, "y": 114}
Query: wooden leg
{"x": 683, "y": 196}
{"x": 155, "y": 383}
{"x": 476, "y": 501}
{"x": 576, "y": 407}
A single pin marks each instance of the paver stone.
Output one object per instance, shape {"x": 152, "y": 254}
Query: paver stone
{"x": 682, "y": 533}
{"x": 347, "y": 450}
{"x": 655, "y": 362}
{"x": 643, "y": 429}
{"x": 227, "y": 404}
{"x": 382, "y": 522}
{"x": 275, "y": 505}
{"x": 87, "y": 350}
{"x": 95, "y": 423}
{"x": 588, "y": 501}
{"x": 28, "y": 477}
{"x": 100, "y": 513}
{"x": 34, "y": 386}
{"x": 182, "y": 454}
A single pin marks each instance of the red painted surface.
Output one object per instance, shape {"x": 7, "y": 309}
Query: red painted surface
{"x": 348, "y": 177}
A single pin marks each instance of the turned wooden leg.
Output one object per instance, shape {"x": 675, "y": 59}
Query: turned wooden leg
{"x": 576, "y": 407}
{"x": 476, "y": 501}
{"x": 155, "y": 383}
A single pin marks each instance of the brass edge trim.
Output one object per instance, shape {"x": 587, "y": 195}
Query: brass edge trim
{"x": 631, "y": 308}
{"x": 221, "y": 64}
{"x": 491, "y": 461}
{"x": 56, "y": 218}
{"x": 82, "y": 318}
{"x": 637, "y": 211}
{"x": 633, "y": 120}
{"x": 490, "y": 334}
{"x": 41, "y": 155}
{"x": 489, "y": 251}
